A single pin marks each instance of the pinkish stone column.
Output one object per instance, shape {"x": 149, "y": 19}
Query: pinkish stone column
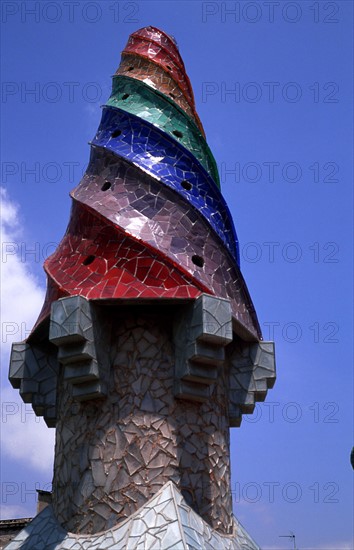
{"x": 113, "y": 454}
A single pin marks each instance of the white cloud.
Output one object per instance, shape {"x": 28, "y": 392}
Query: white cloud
{"x": 24, "y": 438}
{"x": 21, "y": 294}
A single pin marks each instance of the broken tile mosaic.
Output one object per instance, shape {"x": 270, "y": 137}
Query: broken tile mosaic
{"x": 148, "y": 347}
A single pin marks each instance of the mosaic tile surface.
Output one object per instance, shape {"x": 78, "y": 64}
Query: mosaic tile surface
{"x": 141, "y": 100}
{"x": 97, "y": 261}
{"x": 176, "y": 168}
{"x": 153, "y": 75}
{"x": 148, "y": 347}
{"x": 115, "y": 453}
{"x": 153, "y": 51}
{"x": 116, "y": 448}
{"x": 155, "y": 153}
{"x": 154, "y": 58}
{"x": 164, "y": 40}
{"x": 165, "y": 522}
{"x": 153, "y": 213}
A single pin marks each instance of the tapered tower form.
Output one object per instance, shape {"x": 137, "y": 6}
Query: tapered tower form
{"x": 147, "y": 349}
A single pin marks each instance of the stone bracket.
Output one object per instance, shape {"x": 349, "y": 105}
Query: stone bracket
{"x": 252, "y": 373}
{"x": 203, "y": 340}
{"x": 201, "y": 333}
{"x": 34, "y": 371}
{"x": 72, "y": 331}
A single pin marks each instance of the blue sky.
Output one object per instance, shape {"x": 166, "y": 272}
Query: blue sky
{"x": 273, "y": 88}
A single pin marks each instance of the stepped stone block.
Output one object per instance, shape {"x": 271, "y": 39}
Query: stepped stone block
{"x": 200, "y": 334}
{"x": 71, "y": 329}
{"x": 252, "y": 373}
{"x": 34, "y": 372}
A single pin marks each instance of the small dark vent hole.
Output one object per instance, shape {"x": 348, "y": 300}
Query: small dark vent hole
{"x": 88, "y": 260}
{"x": 172, "y": 95}
{"x": 125, "y": 96}
{"x": 177, "y": 133}
{"x": 186, "y": 185}
{"x": 198, "y": 260}
{"x": 116, "y": 133}
{"x": 169, "y": 68}
{"x": 106, "y": 186}
{"x": 130, "y": 69}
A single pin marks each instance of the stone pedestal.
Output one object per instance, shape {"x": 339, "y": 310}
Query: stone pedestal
{"x": 142, "y": 396}
{"x": 113, "y": 454}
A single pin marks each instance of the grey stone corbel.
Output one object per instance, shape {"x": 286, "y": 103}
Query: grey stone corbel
{"x": 71, "y": 330}
{"x": 252, "y": 373}
{"x": 34, "y": 371}
{"x": 201, "y": 333}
